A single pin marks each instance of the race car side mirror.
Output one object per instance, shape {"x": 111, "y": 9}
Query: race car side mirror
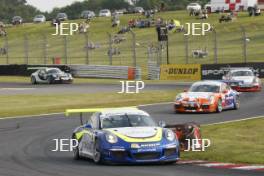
{"x": 162, "y": 124}
{"x": 88, "y": 125}
{"x": 225, "y": 91}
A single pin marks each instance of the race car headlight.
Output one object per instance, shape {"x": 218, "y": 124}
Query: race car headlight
{"x": 255, "y": 81}
{"x": 111, "y": 138}
{"x": 170, "y": 136}
{"x": 178, "y": 97}
{"x": 211, "y": 99}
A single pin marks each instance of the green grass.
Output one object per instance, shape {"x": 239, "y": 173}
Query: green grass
{"x": 16, "y": 105}
{"x": 23, "y": 79}
{"x": 236, "y": 142}
{"x": 229, "y": 41}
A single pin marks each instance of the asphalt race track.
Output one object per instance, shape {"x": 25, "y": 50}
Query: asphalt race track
{"x": 26, "y": 144}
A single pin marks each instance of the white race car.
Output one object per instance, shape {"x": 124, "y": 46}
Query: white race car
{"x": 243, "y": 80}
{"x": 50, "y": 76}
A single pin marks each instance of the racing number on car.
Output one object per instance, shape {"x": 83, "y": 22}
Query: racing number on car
{"x": 229, "y": 98}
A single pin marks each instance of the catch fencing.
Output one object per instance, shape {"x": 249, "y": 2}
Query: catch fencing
{"x": 245, "y": 44}
{"x": 135, "y": 49}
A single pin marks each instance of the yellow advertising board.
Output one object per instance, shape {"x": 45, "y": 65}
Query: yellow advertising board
{"x": 180, "y": 72}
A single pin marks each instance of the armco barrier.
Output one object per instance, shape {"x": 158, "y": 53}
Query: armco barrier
{"x": 180, "y": 72}
{"x": 22, "y": 70}
{"x": 105, "y": 71}
{"x": 216, "y": 71}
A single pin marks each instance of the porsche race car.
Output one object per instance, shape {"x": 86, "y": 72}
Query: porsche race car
{"x": 207, "y": 96}
{"x": 124, "y": 135}
{"x": 187, "y": 132}
{"x": 50, "y": 76}
{"x": 242, "y": 80}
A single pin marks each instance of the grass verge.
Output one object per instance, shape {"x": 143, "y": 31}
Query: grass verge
{"x": 16, "y": 105}
{"x": 236, "y": 142}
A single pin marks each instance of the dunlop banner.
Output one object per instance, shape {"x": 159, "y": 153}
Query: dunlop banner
{"x": 180, "y": 72}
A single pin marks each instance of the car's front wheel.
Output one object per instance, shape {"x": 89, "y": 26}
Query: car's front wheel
{"x": 33, "y": 80}
{"x": 49, "y": 81}
{"x": 75, "y": 151}
{"x": 97, "y": 157}
{"x": 236, "y": 103}
{"x": 219, "y": 107}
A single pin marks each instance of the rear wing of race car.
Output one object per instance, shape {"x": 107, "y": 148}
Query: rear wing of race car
{"x": 81, "y": 112}
{"x": 92, "y": 110}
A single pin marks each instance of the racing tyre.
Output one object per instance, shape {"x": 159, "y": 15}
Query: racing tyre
{"x": 219, "y": 107}
{"x": 33, "y": 80}
{"x": 49, "y": 80}
{"x": 236, "y": 103}
{"x": 97, "y": 154}
{"x": 76, "y": 154}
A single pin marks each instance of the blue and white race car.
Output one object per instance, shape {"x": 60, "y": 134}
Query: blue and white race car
{"x": 124, "y": 135}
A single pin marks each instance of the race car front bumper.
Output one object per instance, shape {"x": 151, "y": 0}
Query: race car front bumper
{"x": 247, "y": 88}
{"x": 180, "y": 107}
{"x": 142, "y": 155}
{"x": 63, "y": 80}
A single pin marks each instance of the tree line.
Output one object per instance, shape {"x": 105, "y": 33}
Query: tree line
{"x": 10, "y": 8}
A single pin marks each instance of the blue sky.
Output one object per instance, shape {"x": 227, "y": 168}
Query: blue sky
{"x": 48, "y": 5}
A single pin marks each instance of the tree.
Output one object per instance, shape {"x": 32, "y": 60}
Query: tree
{"x": 10, "y": 8}
{"x": 74, "y": 10}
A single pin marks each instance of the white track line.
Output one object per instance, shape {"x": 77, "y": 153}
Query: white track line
{"x": 154, "y": 104}
{"x": 17, "y": 89}
{"x": 144, "y": 105}
{"x": 30, "y": 116}
{"x": 230, "y": 121}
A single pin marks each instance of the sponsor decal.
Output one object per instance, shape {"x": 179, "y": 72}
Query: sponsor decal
{"x": 216, "y": 71}
{"x": 180, "y": 72}
{"x": 135, "y": 146}
{"x": 150, "y": 145}
{"x": 147, "y": 150}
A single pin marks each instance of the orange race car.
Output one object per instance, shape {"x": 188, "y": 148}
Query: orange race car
{"x": 207, "y": 96}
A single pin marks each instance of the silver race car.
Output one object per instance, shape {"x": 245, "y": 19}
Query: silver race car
{"x": 50, "y": 76}
{"x": 242, "y": 80}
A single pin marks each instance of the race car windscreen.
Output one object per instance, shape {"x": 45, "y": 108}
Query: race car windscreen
{"x": 119, "y": 121}
{"x": 54, "y": 71}
{"x": 242, "y": 73}
{"x": 205, "y": 88}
